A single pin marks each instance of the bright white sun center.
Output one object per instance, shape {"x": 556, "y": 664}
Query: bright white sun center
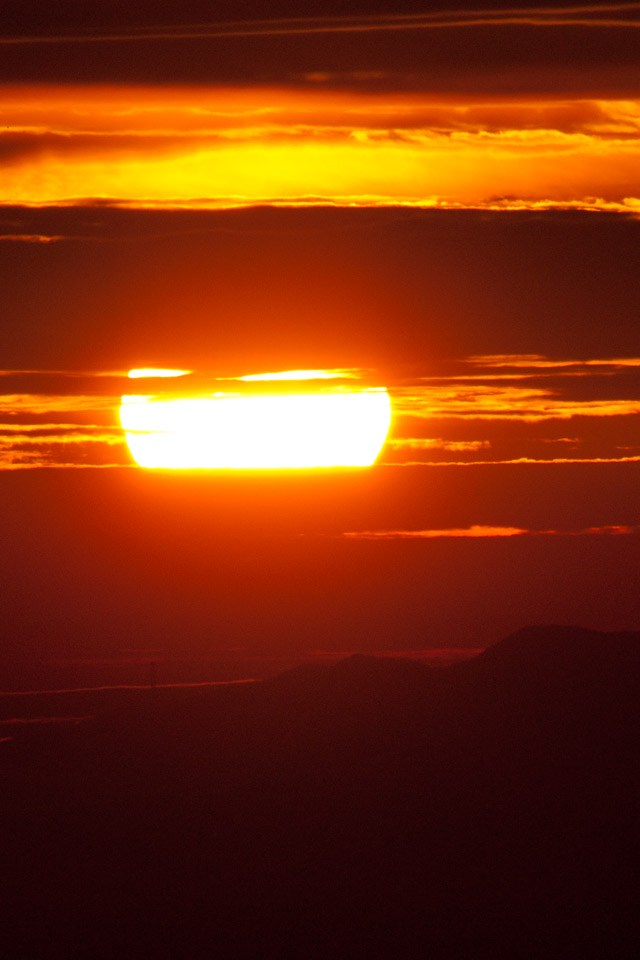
{"x": 257, "y": 431}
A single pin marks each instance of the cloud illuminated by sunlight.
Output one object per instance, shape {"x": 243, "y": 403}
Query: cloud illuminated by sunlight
{"x": 537, "y": 361}
{"x": 496, "y": 410}
{"x": 474, "y": 401}
{"x": 593, "y": 15}
{"x": 476, "y": 531}
{"x": 349, "y": 374}
{"x": 140, "y": 372}
{"x": 473, "y": 531}
{"x": 434, "y": 443}
{"x": 220, "y": 147}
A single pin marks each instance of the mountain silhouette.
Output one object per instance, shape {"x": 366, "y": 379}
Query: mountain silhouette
{"x": 375, "y": 808}
{"x": 564, "y": 648}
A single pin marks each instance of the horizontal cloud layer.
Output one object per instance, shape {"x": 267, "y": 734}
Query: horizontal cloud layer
{"x": 485, "y": 531}
{"x": 220, "y": 147}
{"x": 508, "y": 409}
{"x": 611, "y": 15}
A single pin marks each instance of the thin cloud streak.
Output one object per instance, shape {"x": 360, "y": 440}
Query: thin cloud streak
{"x": 479, "y": 531}
{"x": 462, "y": 401}
{"x": 537, "y": 361}
{"x": 428, "y": 443}
{"x": 473, "y": 531}
{"x": 590, "y": 15}
{"x": 39, "y": 465}
{"x": 628, "y": 206}
{"x": 515, "y": 461}
{"x": 29, "y": 238}
{"x": 35, "y": 433}
{"x": 44, "y": 429}
{"x": 28, "y": 404}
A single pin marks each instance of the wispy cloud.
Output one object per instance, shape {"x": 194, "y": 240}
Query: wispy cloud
{"x": 29, "y": 238}
{"x": 434, "y": 443}
{"x": 473, "y": 531}
{"x": 33, "y": 403}
{"x": 56, "y": 433}
{"x": 515, "y": 461}
{"x": 503, "y": 402}
{"x": 68, "y": 447}
{"x": 614, "y": 15}
{"x": 534, "y": 361}
{"x": 55, "y": 422}
{"x": 514, "y": 409}
{"x": 476, "y": 531}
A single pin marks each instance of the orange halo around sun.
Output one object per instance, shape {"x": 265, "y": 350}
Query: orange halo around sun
{"x": 256, "y": 431}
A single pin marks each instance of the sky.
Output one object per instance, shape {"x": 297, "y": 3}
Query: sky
{"x": 439, "y": 201}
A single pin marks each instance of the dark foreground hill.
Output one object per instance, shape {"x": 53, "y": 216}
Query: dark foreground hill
{"x": 376, "y": 808}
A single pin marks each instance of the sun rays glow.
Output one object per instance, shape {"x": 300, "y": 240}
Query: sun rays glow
{"x": 493, "y": 409}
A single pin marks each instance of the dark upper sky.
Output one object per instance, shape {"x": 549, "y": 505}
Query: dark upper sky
{"x": 513, "y": 47}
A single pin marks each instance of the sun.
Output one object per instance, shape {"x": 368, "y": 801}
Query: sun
{"x": 340, "y": 427}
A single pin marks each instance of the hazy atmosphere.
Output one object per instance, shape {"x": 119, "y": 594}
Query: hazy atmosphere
{"x": 319, "y": 370}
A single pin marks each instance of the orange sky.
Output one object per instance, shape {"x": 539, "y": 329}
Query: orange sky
{"x": 487, "y": 411}
{"x": 444, "y": 202}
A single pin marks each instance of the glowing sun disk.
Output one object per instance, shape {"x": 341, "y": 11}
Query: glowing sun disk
{"x": 255, "y": 432}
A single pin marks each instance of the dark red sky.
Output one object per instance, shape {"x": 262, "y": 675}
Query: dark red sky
{"x": 537, "y": 50}
{"x": 503, "y": 322}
